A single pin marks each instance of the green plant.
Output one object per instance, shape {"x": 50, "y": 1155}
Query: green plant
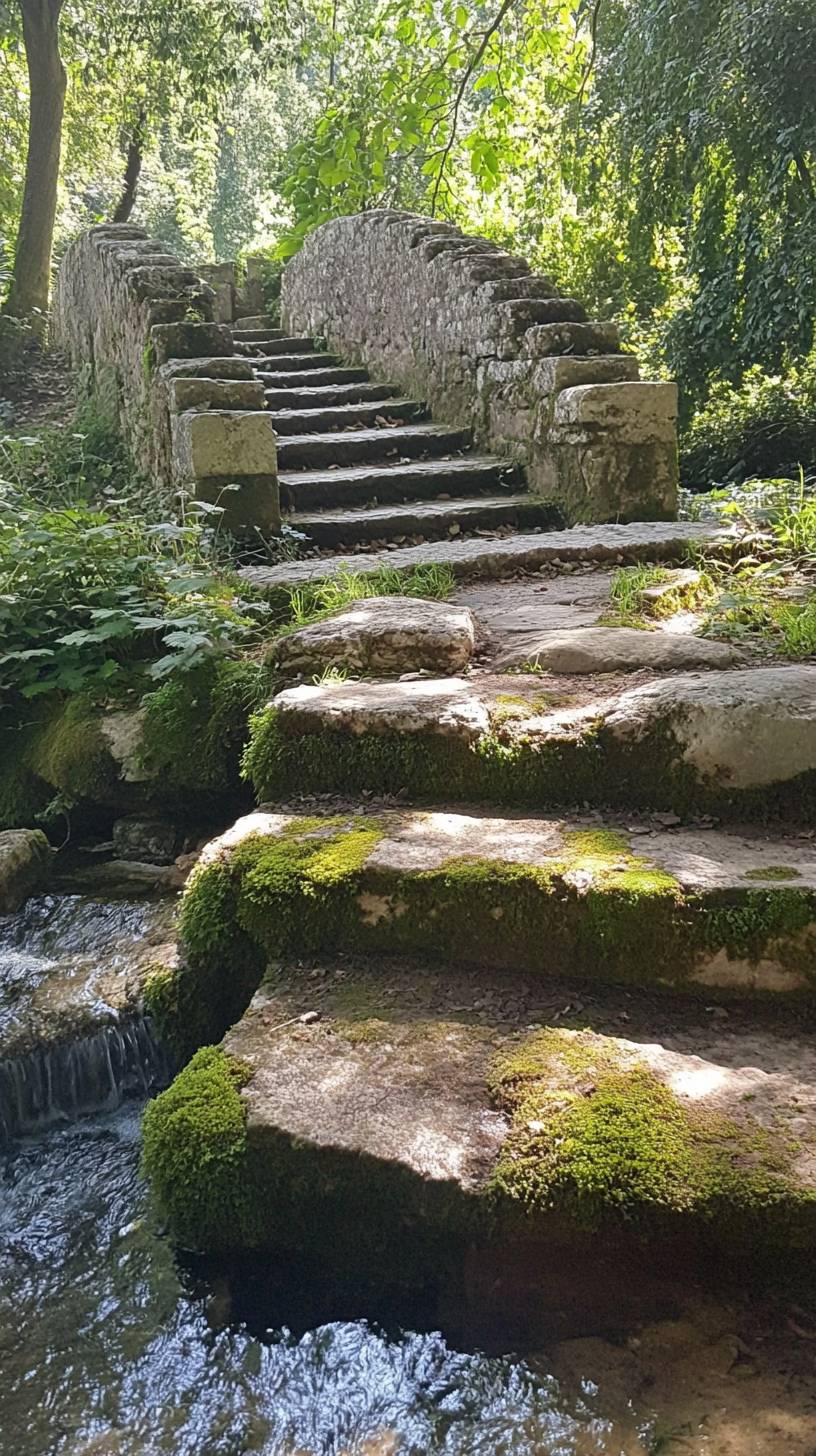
{"x": 94, "y": 600}
{"x": 763, "y": 426}
{"x": 319, "y": 599}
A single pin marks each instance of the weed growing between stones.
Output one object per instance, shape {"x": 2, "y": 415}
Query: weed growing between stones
{"x": 296, "y": 607}
{"x": 768, "y": 597}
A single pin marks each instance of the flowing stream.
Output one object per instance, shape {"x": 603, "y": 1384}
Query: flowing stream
{"x": 109, "y": 1348}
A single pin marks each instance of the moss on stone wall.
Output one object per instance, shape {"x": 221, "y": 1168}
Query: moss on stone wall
{"x": 70, "y": 754}
{"x": 598, "y": 1134}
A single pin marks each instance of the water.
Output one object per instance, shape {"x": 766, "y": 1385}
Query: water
{"x": 109, "y": 1348}
{"x": 100, "y": 1337}
{"x": 70, "y": 964}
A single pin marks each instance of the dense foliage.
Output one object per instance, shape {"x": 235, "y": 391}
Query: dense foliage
{"x": 95, "y": 597}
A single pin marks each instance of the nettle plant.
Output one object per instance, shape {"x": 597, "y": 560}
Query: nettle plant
{"x": 98, "y": 601}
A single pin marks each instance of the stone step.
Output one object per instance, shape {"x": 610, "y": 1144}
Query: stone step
{"x": 365, "y": 484}
{"x": 736, "y": 743}
{"x": 255, "y": 335}
{"x": 291, "y": 421}
{"x": 694, "y": 910}
{"x": 432, "y": 519}
{"x": 485, "y": 1145}
{"x": 352, "y": 447}
{"x": 302, "y": 398}
{"x": 279, "y": 343}
{"x": 294, "y": 362}
{"x": 641, "y": 541}
{"x": 333, "y": 377}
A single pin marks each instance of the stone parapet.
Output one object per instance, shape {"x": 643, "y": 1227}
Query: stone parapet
{"x": 458, "y": 321}
{"x": 145, "y": 332}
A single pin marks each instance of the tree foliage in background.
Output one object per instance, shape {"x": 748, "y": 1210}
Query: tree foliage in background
{"x": 708, "y": 111}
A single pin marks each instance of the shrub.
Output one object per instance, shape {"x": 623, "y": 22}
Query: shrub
{"x": 764, "y": 426}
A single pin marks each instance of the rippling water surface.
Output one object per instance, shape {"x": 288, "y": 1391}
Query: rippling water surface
{"x": 99, "y": 1338}
{"x": 106, "y": 1349}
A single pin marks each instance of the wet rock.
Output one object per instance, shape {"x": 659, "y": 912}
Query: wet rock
{"x": 617, "y": 649}
{"x": 383, "y": 634}
{"x": 25, "y": 860}
{"x": 151, "y": 841}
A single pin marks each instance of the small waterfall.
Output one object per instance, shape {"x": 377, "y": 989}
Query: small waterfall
{"x": 92, "y": 1074}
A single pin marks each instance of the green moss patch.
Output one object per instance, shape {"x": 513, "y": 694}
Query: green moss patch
{"x": 595, "y": 1134}
{"x": 506, "y": 766}
{"x": 772, "y": 872}
{"x": 197, "y": 726}
{"x": 195, "y": 1152}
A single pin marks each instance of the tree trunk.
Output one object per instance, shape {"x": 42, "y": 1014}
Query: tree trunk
{"x": 133, "y": 167}
{"x": 31, "y": 279}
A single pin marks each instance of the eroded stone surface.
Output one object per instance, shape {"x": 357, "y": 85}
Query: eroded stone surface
{"x": 739, "y": 742}
{"x": 642, "y": 542}
{"x": 25, "y": 859}
{"x": 393, "y": 1072}
{"x": 616, "y": 649}
{"x": 446, "y": 706}
{"x": 741, "y": 729}
{"x": 383, "y": 634}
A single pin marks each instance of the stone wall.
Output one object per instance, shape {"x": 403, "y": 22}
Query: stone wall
{"x": 140, "y": 328}
{"x": 461, "y": 323}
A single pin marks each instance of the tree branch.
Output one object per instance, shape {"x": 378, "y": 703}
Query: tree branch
{"x": 463, "y": 85}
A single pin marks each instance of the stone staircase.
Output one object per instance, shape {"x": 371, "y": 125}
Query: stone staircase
{"x": 358, "y": 463}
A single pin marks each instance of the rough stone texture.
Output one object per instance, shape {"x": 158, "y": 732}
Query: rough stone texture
{"x": 507, "y": 921}
{"x": 217, "y": 394}
{"x": 25, "y": 859}
{"x": 392, "y": 1079}
{"x": 383, "y": 634}
{"x": 147, "y": 841}
{"x": 459, "y": 322}
{"x": 741, "y": 729}
{"x": 121, "y": 313}
{"x": 736, "y": 743}
{"x": 445, "y": 706}
{"x": 217, "y": 450}
{"x": 615, "y": 649}
{"x": 643, "y": 542}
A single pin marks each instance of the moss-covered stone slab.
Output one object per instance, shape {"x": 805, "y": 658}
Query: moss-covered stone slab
{"x": 707, "y": 912}
{"x": 440, "y": 1114}
{"x": 387, "y": 635}
{"x": 739, "y": 743}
